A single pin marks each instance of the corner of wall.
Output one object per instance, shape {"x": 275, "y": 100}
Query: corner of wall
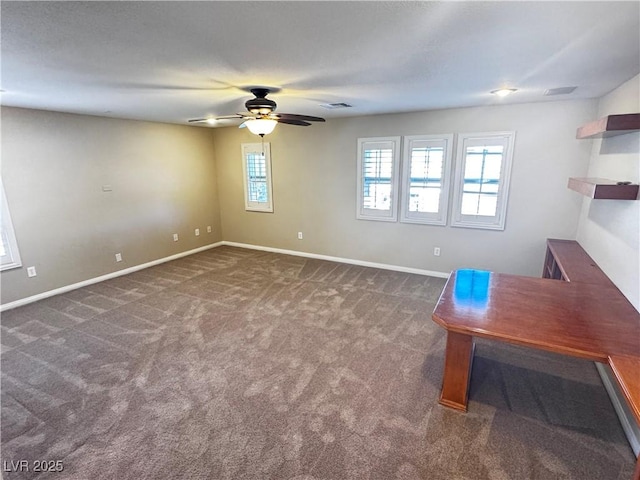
{"x": 609, "y": 230}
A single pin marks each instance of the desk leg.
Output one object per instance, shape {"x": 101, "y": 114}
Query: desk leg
{"x": 457, "y": 371}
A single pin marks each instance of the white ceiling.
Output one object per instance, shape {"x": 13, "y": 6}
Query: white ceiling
{"x": 171, "y": 61}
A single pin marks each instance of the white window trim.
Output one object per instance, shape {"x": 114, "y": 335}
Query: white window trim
{"x": 249, "y": 205}
{"x": 439, "y": 218}
{"x": 12, "y": 258}
{"x": 496, "y": 222}
{"x": 379, "y": 215}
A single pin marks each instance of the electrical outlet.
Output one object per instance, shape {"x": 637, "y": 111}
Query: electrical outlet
{"x": 31, "y": 271}
{"x": 197, "y": 232}
{"x": 436, "y": 251}
{"x": 209, "y": 229}
{"x": 118, "y": 257}
{"x": 299, "y": 235}
{"x": 175, "y": 237}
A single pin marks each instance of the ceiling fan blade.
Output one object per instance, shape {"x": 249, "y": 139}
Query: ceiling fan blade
{"x": 293, "y": 121}
{"x": 197, "y": 120}
{"x": 304, "y": 118}
{"x": 227, "y": 117}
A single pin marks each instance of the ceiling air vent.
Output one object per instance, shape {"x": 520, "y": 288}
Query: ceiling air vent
{"x": 333, "y": 106}
{"x": 559, "y": 91}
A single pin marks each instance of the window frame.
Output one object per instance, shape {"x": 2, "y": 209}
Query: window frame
{"x": 427, "y": 218}
{"x": 12, "y": 258}
{"x": 252, "y": 205}
{"x": 390, "y": 215}
{"x": 497, "y": 221}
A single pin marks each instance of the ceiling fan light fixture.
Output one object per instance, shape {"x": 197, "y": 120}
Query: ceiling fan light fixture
{"x": 261, "y": 126}
{"x": 262, "y": 120}
{"x": 503, "y": 92}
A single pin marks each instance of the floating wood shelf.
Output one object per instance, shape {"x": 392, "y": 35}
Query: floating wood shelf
{"x": 610, "y": 126}
{"x": 602, "y": 188}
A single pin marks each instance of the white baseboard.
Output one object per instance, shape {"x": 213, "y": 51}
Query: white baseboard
{"x": 350, "y": 261}
{"x": 102, "y": 278}
{"x": 619, "y": 404}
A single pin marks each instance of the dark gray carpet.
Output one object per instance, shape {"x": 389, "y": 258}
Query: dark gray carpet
{"x": 237, "y": 364}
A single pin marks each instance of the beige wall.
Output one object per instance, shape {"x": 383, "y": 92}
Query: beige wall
{"x": 314, "y": 179}
{"x": 610, "y": 229}
{"x": 165, "y": 180}
{"x": 53, "y": 168}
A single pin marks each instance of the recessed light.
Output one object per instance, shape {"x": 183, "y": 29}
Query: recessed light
{"x": 503, "y": 92}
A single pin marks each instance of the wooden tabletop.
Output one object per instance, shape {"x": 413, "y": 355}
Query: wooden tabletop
{"x": 575, "y": 264}
{"x": 588, "y": 320}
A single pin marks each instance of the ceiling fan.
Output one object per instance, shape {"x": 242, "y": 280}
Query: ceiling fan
{"x": 261, "y": 119}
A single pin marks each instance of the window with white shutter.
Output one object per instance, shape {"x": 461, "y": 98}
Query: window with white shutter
{"x": 256, "y": 167}
{"x": 426, "y": 167}
{"x": 9, "y": 254}
{"x": 483, "y": 170}
{"x": 378, "y": 160}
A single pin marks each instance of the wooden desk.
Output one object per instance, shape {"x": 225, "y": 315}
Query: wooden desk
{"x": 566, "y": 260}
{"x": 587, "y": 320}
{"x": 627, "y": 372}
